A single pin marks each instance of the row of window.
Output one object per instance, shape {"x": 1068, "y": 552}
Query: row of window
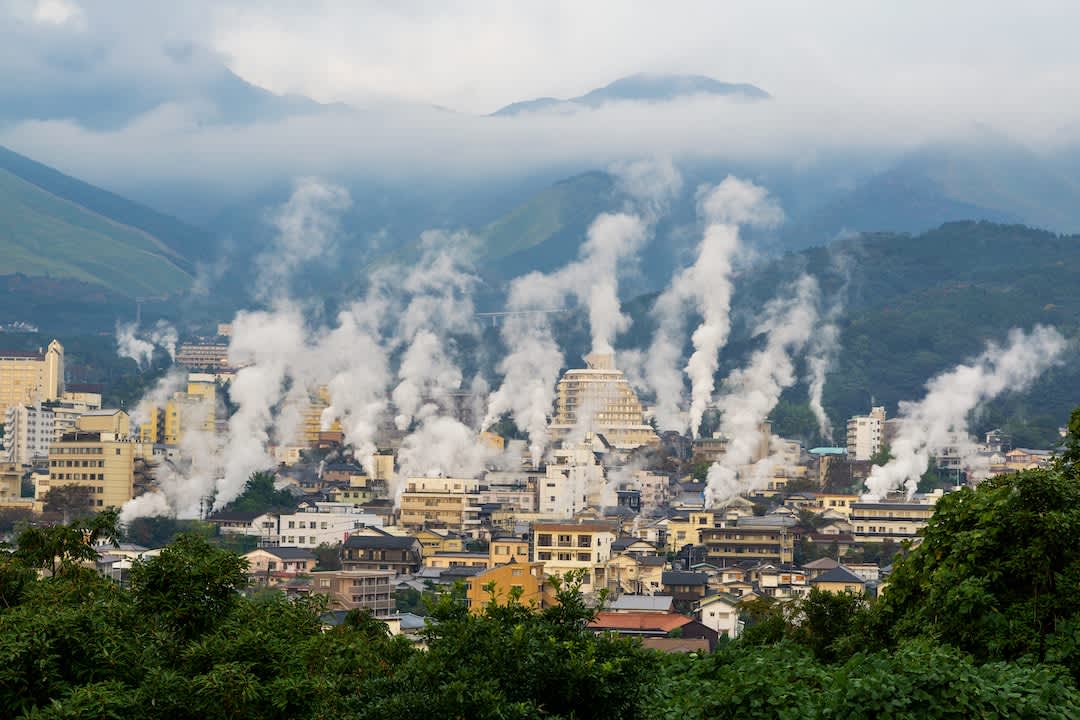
{"x": 78, "y": 451}
{"x": 77, "y": 476}
{"x": 77, "y": 463}
{"x": 304, "y": 524}
{"x": 565, "y": 556}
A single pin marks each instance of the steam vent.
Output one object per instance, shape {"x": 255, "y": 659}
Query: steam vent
{"x": 599, "y": 399}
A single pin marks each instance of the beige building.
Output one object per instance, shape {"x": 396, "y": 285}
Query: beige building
{"x": 451, "y": 503}
{"x": 351, "y": 589}
{"x": 896, "y": 521}
{"x": 193, "y": 409}
{"x": 203, "y": 355}
{"x": 27, "y": 378}
{"x": 599, "y": 399}
{"x": 866, "y": 434}
{"x": 565, "y": 546}
{"x": 728, "y": 546}
{"x": 10, "y": 482}
{"x": 99, "y": 454}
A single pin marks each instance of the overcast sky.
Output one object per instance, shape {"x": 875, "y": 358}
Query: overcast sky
{"x": 476, "y": 56}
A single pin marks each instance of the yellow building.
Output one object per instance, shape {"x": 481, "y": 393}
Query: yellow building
{"x": 504, "y": 549}
{"x": 10, "y": 481}
{"x": 840, "y": 502}
{"x": 27, "y": 378}
{"x": 451, "y": 503}
{"x": 687, "y": 530}
{"x": 566, "y": 546}
{"x": 600, "y": 399}
{"x": 839, "y": 580}
{"x": 437, "y": 540}
{"x": 501, "y": 582}
{"x": 99, "y": 455}
{"x": 728, "y": 546}
{"x": 195, "y": 409}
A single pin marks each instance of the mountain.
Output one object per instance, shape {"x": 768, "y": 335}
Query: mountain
{"x": 643, "y": 87}
{"x": 55, "y": 226}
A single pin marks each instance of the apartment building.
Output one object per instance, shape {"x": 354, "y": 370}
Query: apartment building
{"x": 564, "y": 546}
{"x": 881, "y": 521}
{"x": 452, "y": 503}
{"x": 99, "y": 454}
{"x": 521, "y": 582}
{"x": 401, "y": 555}
{"x": 28, "y": 378}
{"x": 311, "y": 527}
{"x": 866, "y": 434}
{"x": 371, "y": 590}
{"x": 573, "y": 480}
{"x": 28, "y": 433}
{"x": 728, "y": 546}
{"x": 203, "y": 355}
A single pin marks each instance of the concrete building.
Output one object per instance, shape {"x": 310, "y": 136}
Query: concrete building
{"x": 730, "y": 546}
{"x": 866, "y": 434}
{"x": 720, "y": 612}
{"x": 276, "y": 563}
{"x": 28, "y": 433}
{"x": 313, "y": 526}
{"x": 402, "y": 555}
{"x": 574, "y": 480}
{"x": 370, "y": 590}
{"x": 211, "y": 356}
{"x": 99, "y": 454}
{"x": 10, "y": 482}
{"x": 28, "y": 378}
{"x": 896, "y": 521}
{"x": 565, "y": 546}
{"x": 452, "y": 503}
{"x": 520, "y": 582}
{"x": 192, "y": 410}
{"x": 599, "y": 399}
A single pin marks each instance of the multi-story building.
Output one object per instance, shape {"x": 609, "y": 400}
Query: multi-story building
{"x": 574, "y": 480}
{"x": 600, "y": 399}
{"x": 193, "y": 410}
{"x": 402, "y": 555}
{"x": 203, "y": 355}
{"x": 313, "y": 526}
{"x": 566, "y": 546}
{"x": 268, "y": 564}
{"x": 10, "y": 482}
{"x": 99, "y": 455}
{"x": 452, "y": 503}
{"x": 744, "y": 541}
{"x": 370, "y": 590}
{"x": 68, "y": 408}
{"x": 655, "y": 491}
{"x": 685, "y": 527}
{"x": 896, "y": 521}
{"x": 28, "y": 378}
{"x": 28, "y": 433}
{"x": 523, "y": 581}
{"x": 866, "y": 434}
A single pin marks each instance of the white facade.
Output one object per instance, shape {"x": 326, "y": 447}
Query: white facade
{"x": 311, "y": 528}
{"x": 866, "y": 434}
{"x": 721, "y": 613}
{"x": 574, "y": 480}
{"x": 29, "y": 431}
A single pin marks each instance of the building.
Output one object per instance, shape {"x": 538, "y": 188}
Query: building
{"x": 99, "y": 455}
{"x": 370, "y": 590}
{"x": 523, "y": 583}
{"x": 438, "y": 540}
{"x": 269, "y": 563}
{"x": 451, "y": 503}
{"x": 565, "y": 546}
{"x": 686, "y": 588}
{"x": 322, "y": 524}
{"x": 203, "y": 355}
{"x": 29, "y": 431}
{"x": 866, "y": 434}
{"x": 573, "y": 481}
{"x": 684, "y": 528}
{"x": 505, "y": 548}
{"x": 730, "y": 546}
{"x": 192, "y": 410}
{"x": 839, "y": 580}
{"x": 256, "y": 524}
{"x": 720, "y": 613}
{"x": 599, "y": 399}
{"x": 655, "y": 491}
{"x": 650, "y": 624}
{"x": 10, "y": 482}
{"x": 28, "y": 378}
{"x": 402, "y": 555}
{"x": 635, "y": 574}
{"x": 895, "y": 521}
{"x": 641, "y": 603}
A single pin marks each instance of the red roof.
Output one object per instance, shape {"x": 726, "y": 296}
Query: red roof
{"x": 639, "y": 621}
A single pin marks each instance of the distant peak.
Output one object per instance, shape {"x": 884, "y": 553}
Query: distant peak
{"x": 640, "y": 87}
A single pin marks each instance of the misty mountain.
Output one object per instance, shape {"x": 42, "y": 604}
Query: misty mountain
{"x": 643, "y": 87}
{"x": 55, "y": 226}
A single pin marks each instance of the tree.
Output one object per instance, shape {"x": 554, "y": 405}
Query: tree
{"x": 61, "y": 549}
{"x": 72, "y": 501}
{"x": 882, "y": 456}
{"x": 328, "y": 557}
{"x": 260, "y": 496}
{"x": 189, "y": 586}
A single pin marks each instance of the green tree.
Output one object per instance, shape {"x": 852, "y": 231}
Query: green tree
{"x": 260, "y": 496}
{"x": 61, "y": 549}
{"x": 71, "y": 501}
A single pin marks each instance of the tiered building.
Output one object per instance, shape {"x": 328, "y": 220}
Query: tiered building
{"x": 599, "y": 399}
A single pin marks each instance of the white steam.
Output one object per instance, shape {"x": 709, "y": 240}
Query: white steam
{"x": 754, "y": 390}
{"x": 139, "y": 346}
{"x": 950, "y": 398}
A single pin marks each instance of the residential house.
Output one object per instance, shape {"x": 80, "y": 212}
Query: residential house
{"x": 279, "y": 562}
{"x": 635, "y": 574}
{"x": 839, "y": 580}
{"x": 819, "y": 566}
{"x": 720, "y": 613}
{"x": 686, "y": 588}
{"x": 566, "y": 546}
{"x": 504, "y": 548}
{"x": 457, "y": 559}
{"x": 437, "y": 540}
{"x": 685, "y": 528}
{"x": 256, "y": 524}
{"x": 650, "y": 624}
{"x": 403, "y": 555}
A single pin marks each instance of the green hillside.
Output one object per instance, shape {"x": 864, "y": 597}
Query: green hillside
{"x": 44, "y": 234}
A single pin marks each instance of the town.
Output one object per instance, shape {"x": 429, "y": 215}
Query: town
{"x": 613, "y": 501}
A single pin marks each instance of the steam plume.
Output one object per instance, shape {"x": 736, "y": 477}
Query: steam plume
{"x": 130, "y": 342}
{"x": 950, "y": 398}
{"x": 755, "y": 389}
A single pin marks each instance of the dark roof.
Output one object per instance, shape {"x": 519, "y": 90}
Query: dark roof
{"x": 22, "y": 354}
{"x": 626, "y": 541}
{"x": 681, "y": 577}
{"x": 233, "y": 516}
{"x": 652, "y": 560}
{"x": 381, "y": 542}
{"x": 290, "y": 553}
{"x": 838, "y": 574}
{"x": 825, "y": 563}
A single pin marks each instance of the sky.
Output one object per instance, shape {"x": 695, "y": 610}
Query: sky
{"x": 844, "y": 74}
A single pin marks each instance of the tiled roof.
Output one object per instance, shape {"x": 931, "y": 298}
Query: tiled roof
{"x": 639, "y": 621}
{"x": 382, "y": 542}
{"x": 838, "y": 575}
{"x": 681, "y": 577}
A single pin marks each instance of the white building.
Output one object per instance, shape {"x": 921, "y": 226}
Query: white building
{"x": 866, "y": 434}
{"x": 28, "y": 433}
{"x": 311, "y": 527}
{"x": 574, "y": 480}
{"x": 720, "y": 612}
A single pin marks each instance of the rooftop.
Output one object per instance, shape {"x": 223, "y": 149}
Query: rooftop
{"x": 839, "y": 574}
{"x": 639, "y": 621}
{"x": 682, "y": 577}
{"x": 641, "y": 603}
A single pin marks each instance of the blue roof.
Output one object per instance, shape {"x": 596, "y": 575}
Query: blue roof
{"x": 828, "y": 451}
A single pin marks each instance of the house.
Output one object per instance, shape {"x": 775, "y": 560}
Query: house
{"x": 457, "y": 559}
{"x": 720, "y": 613}
{"x": 650, "y": 624}
{"x": 637, "y": 575}
{"x": 642, "y": 603}
{"x": 839, "y": 580}
{"x": 439, "y": 540}
{"x": 817, "y": 567}
{"x": 779, "y": 581}
{"x": 503, "y": 548}
{"x": 279, "y": 562}
{"x": 501, "y": 583}
{"x": 244, "y": 523}
{"x": 403, "y": 555}
{"x": 686, "y": 588}
{"x": 371, "y": 590}
{"x": 566, "y": 546}
{"x": 684, "y": 528}
{"x": 629, "y": 545}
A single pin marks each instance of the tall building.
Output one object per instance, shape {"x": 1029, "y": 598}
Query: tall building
{"x": 28, "y": 433}
{"x": 574, "y": 480}
{"x": 99, "y": 454}
{"x": 27, "y": 378}
{"x": 866, "y": 434}
{"x": 195, "y": 409}
{"x": 452, "y": 503}
{"x": 203, "y": 355}
{"x": 599, "y": 399}
{"x": 565, "y": 546}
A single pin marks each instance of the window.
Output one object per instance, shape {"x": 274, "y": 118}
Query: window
{"x": 292, "y": 524}
{"x": 543, "y": 556}
{"x": 544, "y": 539}
{"x": 516, "y": 572}
{"x": 583, "y": 557}
{"x": 584, "y": 541}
